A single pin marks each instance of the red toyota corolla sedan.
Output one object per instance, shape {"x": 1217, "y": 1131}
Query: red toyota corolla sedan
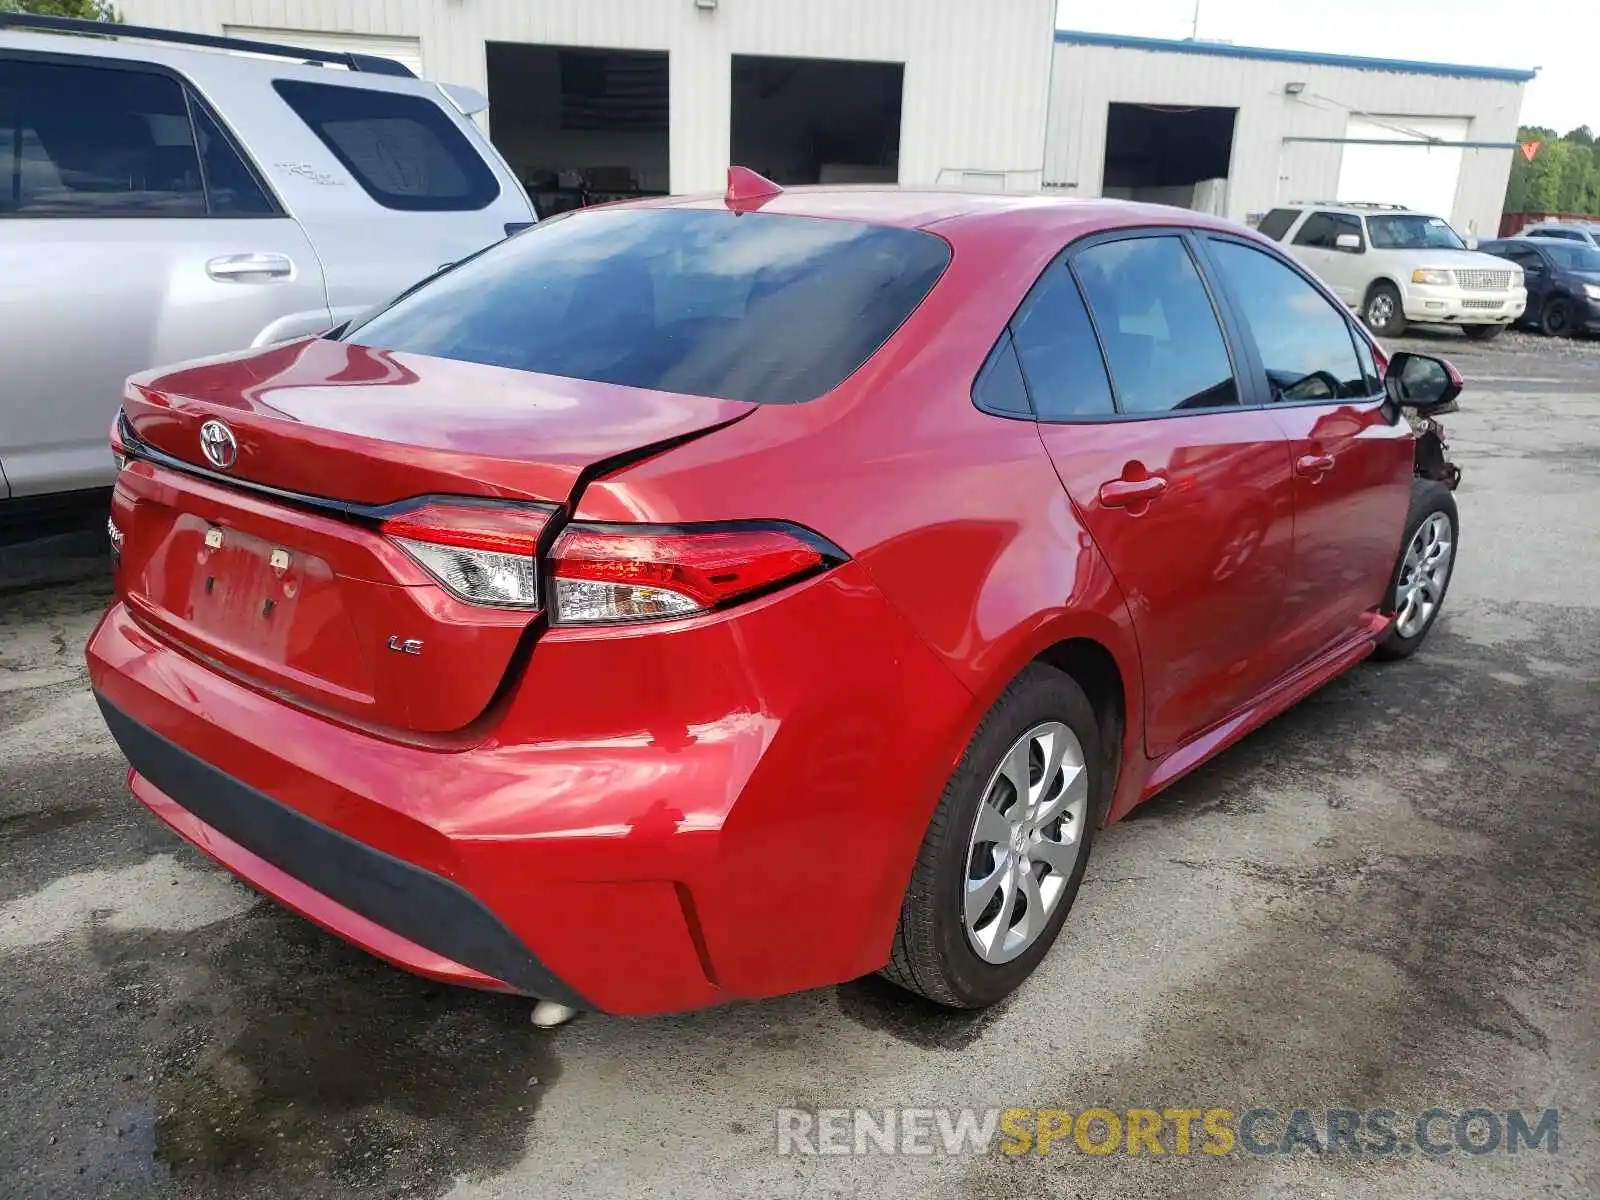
{"x": 716, "y": 597}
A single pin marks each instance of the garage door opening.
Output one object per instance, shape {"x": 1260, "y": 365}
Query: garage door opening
{"x": 580, "y": 126}
{"x": 1168, "y": 155}
{"x": 1414, "y": 161}
{"x": 803, "y": 120}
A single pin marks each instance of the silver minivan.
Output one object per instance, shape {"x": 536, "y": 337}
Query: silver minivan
{"x": 166, "y": 196}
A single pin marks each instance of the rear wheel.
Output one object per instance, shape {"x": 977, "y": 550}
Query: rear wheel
{"x": 1555, "y": 318}
{"x": 1483, "y": 333}
{"x": 1383, "y": 311}
{"x": 1422, "y": 576}
{"x": 1005, "y": 852}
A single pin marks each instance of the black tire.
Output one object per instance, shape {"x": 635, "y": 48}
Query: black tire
{"x": 1428, "y": 496}
{"x": 1555, "y": 318}
{"x": 931, "y": 954}
{"x": 1483, "y": 333}
{"x": 1390, "y": 322}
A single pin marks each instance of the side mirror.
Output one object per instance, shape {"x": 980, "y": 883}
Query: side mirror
{"x": 1350, "y": 243}
{"x": 1422, "y": 382}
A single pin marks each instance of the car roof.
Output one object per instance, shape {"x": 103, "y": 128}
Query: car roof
{"x": 1358, "y": 208}
{"x": 200, "y": 62}
{"x": 924, "y": 208}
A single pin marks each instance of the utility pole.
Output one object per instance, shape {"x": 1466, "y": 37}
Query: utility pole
{"x": 1194, "y": 25}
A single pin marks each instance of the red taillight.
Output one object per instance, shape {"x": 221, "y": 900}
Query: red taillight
{"x": 603, "y": 573}
{"x": 484, "y": 553}
{"x": 119, "y": 449}
{"x": 502, "y": 529}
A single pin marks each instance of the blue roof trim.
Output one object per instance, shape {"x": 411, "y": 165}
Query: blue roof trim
{"x": 1228, "y": 50}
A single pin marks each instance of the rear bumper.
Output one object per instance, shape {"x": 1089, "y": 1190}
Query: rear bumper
{"x": 413, "y": 918}
{"x": 659, "y": 820}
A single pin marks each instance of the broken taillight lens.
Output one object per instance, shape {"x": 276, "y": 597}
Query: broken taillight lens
{"x": 482, "y": 553}
{"x": 612, "y": 573}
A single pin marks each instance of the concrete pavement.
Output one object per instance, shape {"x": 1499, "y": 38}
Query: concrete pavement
{"x": 1387, "y": 898}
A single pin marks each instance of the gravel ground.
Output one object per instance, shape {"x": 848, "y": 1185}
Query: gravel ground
{"x": 1387, "y": 898}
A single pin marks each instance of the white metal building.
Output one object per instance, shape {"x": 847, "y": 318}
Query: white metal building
{"x": 590, "y": 99}
{"x": 666, "y": 91}
{"x": 1148, "y": 118}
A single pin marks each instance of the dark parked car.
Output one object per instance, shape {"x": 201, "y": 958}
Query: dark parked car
{"x": 1563, "y": 281}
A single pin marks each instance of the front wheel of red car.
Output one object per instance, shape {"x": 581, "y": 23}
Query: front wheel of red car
{"x": 1006, "y": 849}
{"x": 1422, "y": 576}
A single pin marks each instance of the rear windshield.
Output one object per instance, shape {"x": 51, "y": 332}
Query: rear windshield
{"x": 751, "y": 306}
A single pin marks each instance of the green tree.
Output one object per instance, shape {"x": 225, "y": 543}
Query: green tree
{"x": 88, "y": 10}
{"x": 1563, "y": 176}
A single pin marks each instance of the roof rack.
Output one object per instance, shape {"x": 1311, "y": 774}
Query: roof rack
{"x": 372, "y": 64}
{"x": 1352, "y": 204}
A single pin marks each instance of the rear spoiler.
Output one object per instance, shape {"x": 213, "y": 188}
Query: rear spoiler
{"x": 470, "y": 101}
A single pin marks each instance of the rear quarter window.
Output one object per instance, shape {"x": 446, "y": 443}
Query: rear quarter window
{"x": 405, "y": 151}
{"x": 741, "y": 306}
{"x": 1277, "y": 223}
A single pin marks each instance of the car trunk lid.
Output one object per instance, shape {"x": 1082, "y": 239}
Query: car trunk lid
{"x": 274, "y": 565}
{"x": 372, "y": 427}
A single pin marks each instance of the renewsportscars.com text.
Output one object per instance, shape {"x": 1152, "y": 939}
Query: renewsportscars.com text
{"x": 1259, "y": 1130}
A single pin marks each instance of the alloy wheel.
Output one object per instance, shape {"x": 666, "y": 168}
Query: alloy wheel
{"x": 1026, "y": 840}
{"x": 1380, "y": 311}
{"x": 1423, "y": 575}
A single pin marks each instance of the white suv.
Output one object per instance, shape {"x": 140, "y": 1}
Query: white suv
{"x": 169, "y": 195}
{"x": 1393, "y": 265}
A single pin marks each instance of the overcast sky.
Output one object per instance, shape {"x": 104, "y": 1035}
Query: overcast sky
{"x": 1563, "y": 40}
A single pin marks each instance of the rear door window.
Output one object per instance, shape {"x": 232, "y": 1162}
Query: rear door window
{"x": 1523, "y": 256}
{"x": 1303, "y": 338}
{"x": 1317, "y": 232}
{"x": 1060, "y": 356}
{"x": 741, "y": 306}
{"x": 232, "y": 189}
{"x": 404, "y": 150}
{"x": 1277, "y": 222}
{"x": 1157, "y": 325}
{"x": 79, "y": 141}
{"x": 1322, "y": 230}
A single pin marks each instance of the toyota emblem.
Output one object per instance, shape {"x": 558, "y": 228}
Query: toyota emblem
{"x": 218, "y": 444}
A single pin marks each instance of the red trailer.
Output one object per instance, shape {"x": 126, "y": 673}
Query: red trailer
{"x": 1512, "y": 224}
